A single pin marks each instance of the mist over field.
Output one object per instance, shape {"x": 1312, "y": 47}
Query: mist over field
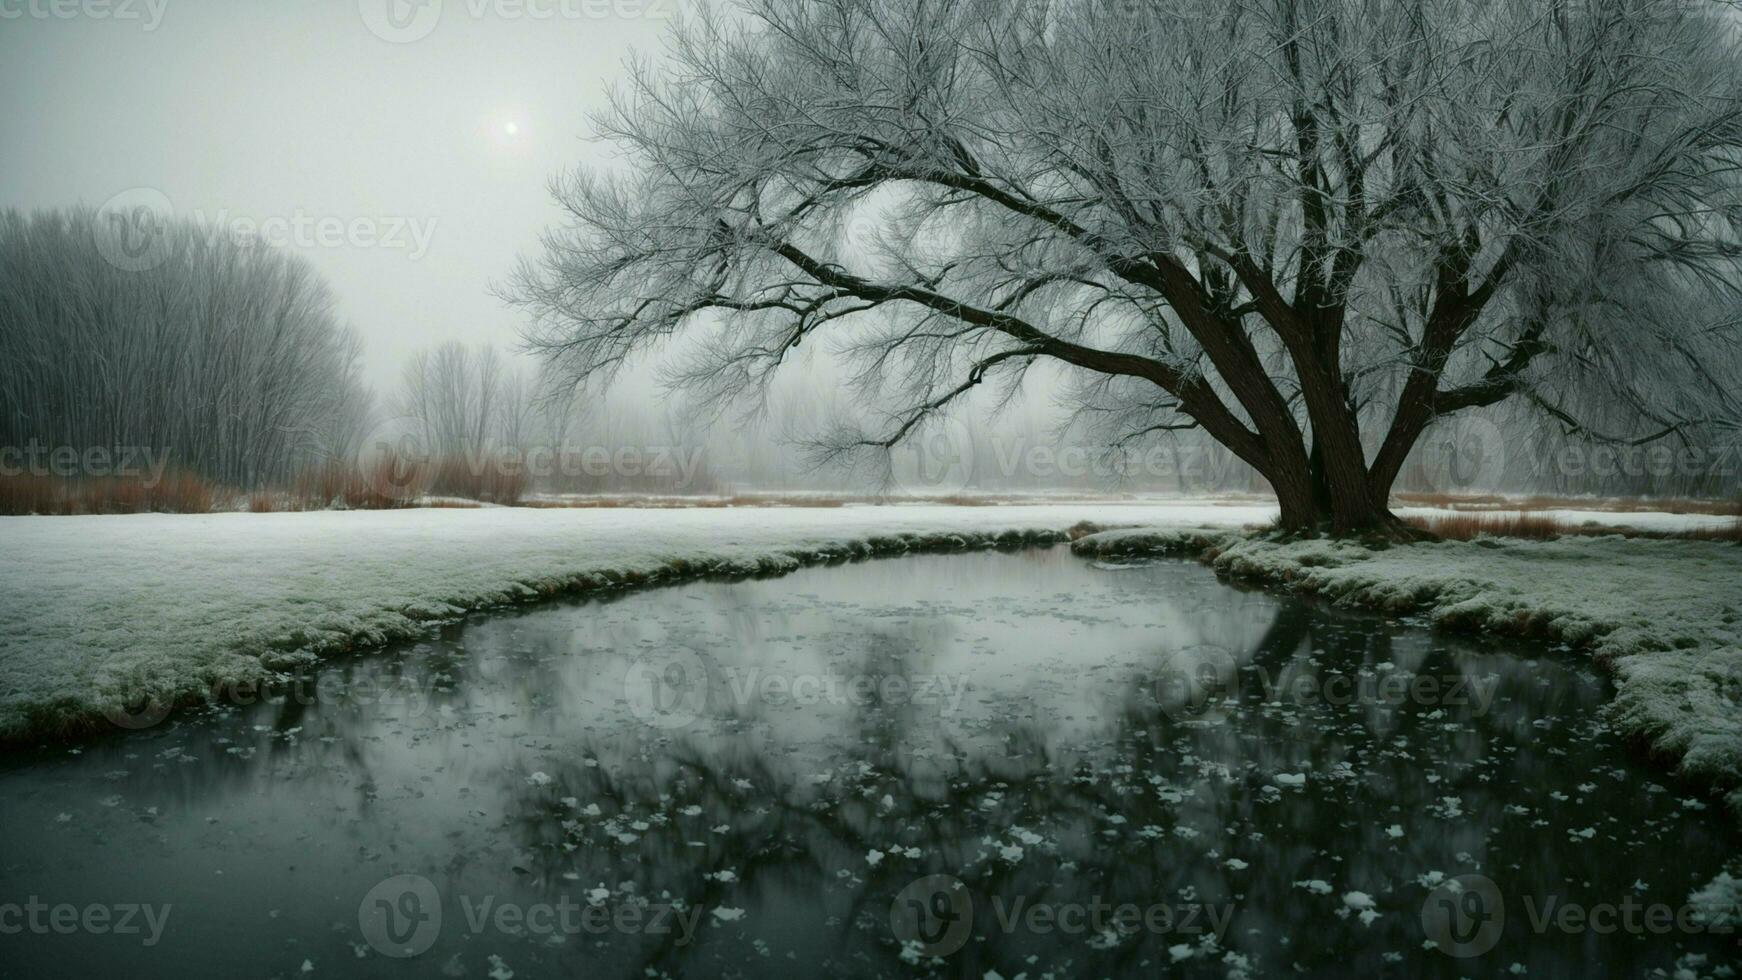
{"x": 404, "y": 207}
{"x": 987, "y": 488}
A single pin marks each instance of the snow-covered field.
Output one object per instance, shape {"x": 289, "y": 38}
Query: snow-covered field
{"x": 95, "y": 609}
{"x": 1665, "y": 616}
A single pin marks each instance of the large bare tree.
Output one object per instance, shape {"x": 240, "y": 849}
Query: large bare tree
{"x": 1311, "y": 228}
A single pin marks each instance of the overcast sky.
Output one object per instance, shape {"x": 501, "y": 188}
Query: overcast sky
{"x": 430, "y": 128}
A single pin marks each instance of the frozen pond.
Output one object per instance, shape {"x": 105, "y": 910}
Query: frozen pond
{"x": 1022, "y": 763}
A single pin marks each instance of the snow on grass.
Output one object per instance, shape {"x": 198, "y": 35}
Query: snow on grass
{"x": 99, "y": 610}
{"x": 1664, "y": 616}
{"x": 1718, "y": 905}
{"x": 1652, "y": 521}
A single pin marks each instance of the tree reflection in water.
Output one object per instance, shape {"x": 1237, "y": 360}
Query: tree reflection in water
{"x": 1138, "y": 735}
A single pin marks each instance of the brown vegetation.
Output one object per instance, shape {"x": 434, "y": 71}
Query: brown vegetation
{"x": 1465, "y": 527}
{"x": 1614, "y": 505}
{"x": 387, "y": 483}
{"x": 491, "y": 481}
{"x": 675, "y": 502}
{"x": 174, "y": 493}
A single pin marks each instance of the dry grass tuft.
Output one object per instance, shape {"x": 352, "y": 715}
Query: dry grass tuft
{"x": 335, "y": 483}
{"x": 492, "y": 481}
{"x": 1465, "y": 527}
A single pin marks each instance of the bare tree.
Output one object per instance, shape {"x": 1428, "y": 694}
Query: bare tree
{"x": 1310, "y": 228}
{"x": 457, "y": 401}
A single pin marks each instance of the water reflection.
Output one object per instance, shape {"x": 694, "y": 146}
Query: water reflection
{"x": 765, "y": 766}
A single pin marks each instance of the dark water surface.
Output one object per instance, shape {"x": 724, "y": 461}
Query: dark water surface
{"x": 1021, "y": 763}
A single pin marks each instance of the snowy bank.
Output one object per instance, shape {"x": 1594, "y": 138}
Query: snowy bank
{"x": 102, "y": 615}
{"x": 1664, "y": 616}
{"x": 96, "y": 610}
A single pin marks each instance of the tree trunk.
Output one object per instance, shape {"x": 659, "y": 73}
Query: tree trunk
{"x": 1346, "y": 500}
{"x": 1321, "y": 479}
{"x": 1299, "y": 503}
{"x": 1339, "y": 465}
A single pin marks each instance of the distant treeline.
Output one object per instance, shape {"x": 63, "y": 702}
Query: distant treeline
{"x": 493, "y": 431}
{"x": 217, "y": 359}
{"x": 177, "y": 369}
{"x": 152, "y": 363}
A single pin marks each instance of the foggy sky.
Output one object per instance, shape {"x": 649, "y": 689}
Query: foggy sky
{"x": 290, "y": 112}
